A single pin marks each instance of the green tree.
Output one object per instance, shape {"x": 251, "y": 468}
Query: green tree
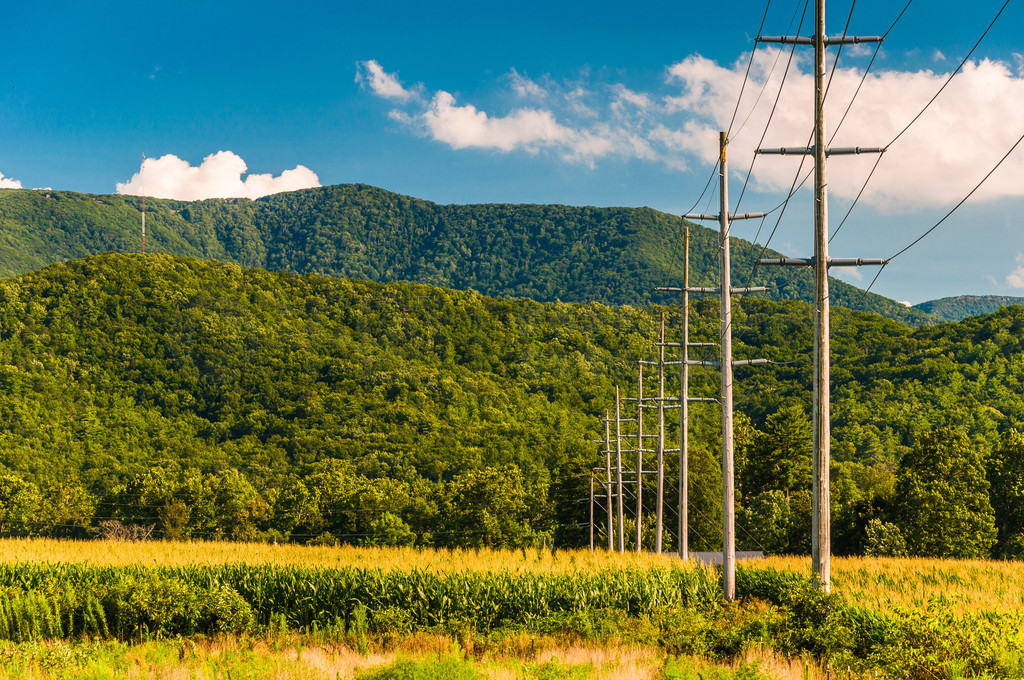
{"x": 390, "y": 530}
{"x": 1006, "y": 475}
{"x": 884, "y": 539}
{"x": 942, "y": 498}
{"x": 779, "y": 457}
{"x": 19, "y": 501}
{"x": 493, "y": 508}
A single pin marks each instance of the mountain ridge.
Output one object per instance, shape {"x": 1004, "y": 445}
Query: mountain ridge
{"x": 960, "y": 307}
{"x": 543, "y": 252}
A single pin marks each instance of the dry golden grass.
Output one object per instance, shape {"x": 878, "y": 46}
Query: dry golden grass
{"x": 165, "y": 553}
{"x": 287, "y": 658}
{"x": 913, "y": 582}
{"x": 875, "y": 582}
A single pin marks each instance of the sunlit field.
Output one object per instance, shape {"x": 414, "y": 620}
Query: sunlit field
{"x": 875, "y": 582}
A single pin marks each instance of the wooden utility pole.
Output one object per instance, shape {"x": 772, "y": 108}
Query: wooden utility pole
{"x": 618, "y": 468}
{"x": 821, "y": 520}
{"x": 728, "y": 477}
{"x": 684, "y": 410}
{"x": 726, "y": 364}
{"x": 639, "y": 454}
{"x": 659, "y": 513}
{"x": 608, "y": 480}
{"x": 591, "y": 511}
{"x": 821, "y": 543}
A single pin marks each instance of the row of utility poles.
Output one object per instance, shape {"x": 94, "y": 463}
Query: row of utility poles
{"x": 820, "y": 521}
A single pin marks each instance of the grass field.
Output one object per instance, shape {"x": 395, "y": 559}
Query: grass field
{"x": 880, "y": 583}
{"x": 232, "y": 606}
{"x": 291, "y": 657}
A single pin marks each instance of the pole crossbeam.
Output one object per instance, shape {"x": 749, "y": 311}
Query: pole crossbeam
{"x": 812, "y": 150}
{"x": 690, "y": 344}
{"x": 836, "y": 40}
{"x": 832, "y": 261}
{"x": 713, "y": 291}
{"x": 732, "y": 217}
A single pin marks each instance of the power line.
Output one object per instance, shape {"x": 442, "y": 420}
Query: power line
{"x": 775, "y": 105}
{"x": 920, "y": 113}
{"x": 962, "y": 201}
{"x": 750, "y": 62}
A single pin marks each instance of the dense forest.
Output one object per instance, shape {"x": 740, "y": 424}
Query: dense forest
{"x": 172, "y": 397}
{"x": 960, "y": 307}
{"x": 544, "y": 252}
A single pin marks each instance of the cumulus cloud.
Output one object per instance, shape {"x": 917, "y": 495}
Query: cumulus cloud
{"x": 943, "y": 155}
{"x": 8, "y": 183}
{"x": 383, "y": 84}
{"x": 218, "y": 176}
{"x": 1015, "y": 279}
{"x": 465, "y": 126}
{"x": 937, "y": 161}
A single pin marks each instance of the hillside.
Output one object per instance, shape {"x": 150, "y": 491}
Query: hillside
{"x": 544, "y": 252}
{"x": 206, "y": 400}
{"x": 960, "y": 307}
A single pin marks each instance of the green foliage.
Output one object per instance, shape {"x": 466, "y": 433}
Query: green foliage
{"x": 960, "y": 307}
{"x": 423, "y": 670}
{"x": 19, "y": 501}
{"x": 942, "y": 498}
{"x": 679, "y": 610}
{"x": 1006, "y": 476}
{"x": 543, "y": 252}
{"x": 884, "y": 539}
{"x": 194, "y": 400}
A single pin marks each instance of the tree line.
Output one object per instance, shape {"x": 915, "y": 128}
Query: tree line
{"x": 169, "y": 397}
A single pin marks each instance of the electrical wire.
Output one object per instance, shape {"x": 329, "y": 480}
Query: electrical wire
{"x": 962, "y": 201}
{"x": 921, "y": 112}
{"x": 775, "y": 104}
{"x": 746, "y": 75}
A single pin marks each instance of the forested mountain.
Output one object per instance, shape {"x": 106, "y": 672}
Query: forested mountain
{"x": 203, "y": 400}
{"x": 544, "y": 252}
{"x": 960, "y": 307}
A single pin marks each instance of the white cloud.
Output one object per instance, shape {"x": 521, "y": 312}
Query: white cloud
{"x": 947, "y": 151}
{"x": 219, "y": 176}
{"x": 8, "y": 183}
{"x": 525, "y": 87}
{"x": 1015, "y": 279}
{"x": 624, "y": 95}
{"x": 961, "y": 136}
{"x": 464, "y": 126}
{"x": 383, "y": 84}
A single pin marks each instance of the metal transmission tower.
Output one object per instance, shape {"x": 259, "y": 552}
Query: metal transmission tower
{"x": 726, "y": 291}
{"x": 820, "y": 518}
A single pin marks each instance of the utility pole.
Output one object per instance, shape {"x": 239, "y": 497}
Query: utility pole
{"x": 728, "y": 471}
{"x": 608, "y": 480}
{"x": 684, "y": 410}
{"x": 821, "y": 544}
{"x": 618, "y": 467}
{"x": 639, "y": 454}
{"x": 591, "y": 511}
{"x": 726, "y": 291}
{"x": 659, "y": 513}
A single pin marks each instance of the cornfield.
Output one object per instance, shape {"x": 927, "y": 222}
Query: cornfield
{"x": 144, "y": 591}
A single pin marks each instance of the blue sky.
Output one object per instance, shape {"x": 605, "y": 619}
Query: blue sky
{"x": 537, "y": 102}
